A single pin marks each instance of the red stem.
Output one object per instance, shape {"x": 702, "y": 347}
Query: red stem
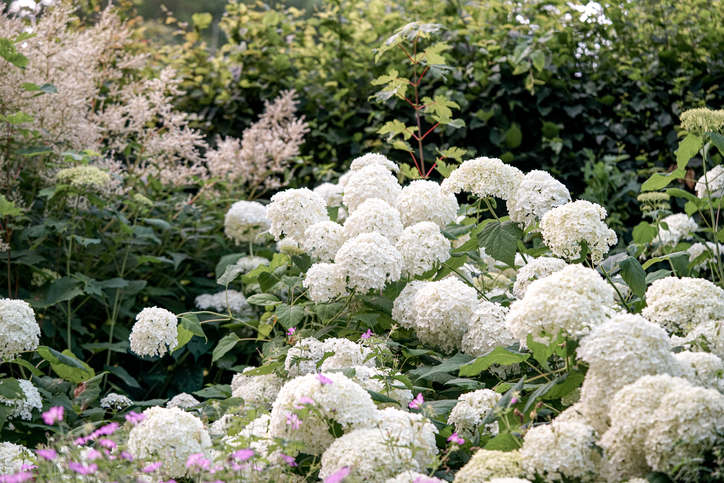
{"x": 408, "y": 55}
{"x": 433, "y": 167}
{"x": 429, "y": 131}
{"x": 422, "y": 75}
{"x": 415, "y": 160}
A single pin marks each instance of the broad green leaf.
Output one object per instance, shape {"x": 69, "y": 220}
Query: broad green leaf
{"x": 123, "y": 375}
{"x": 683, "y": 194}
{"x": 84, "y": 241}
{"x": 121, "y": 347}
{"x": 644, "y": 232}
{"x": 381, "y": 398}
{"x": 514, "y": 136}
{"x": 499, "y": 355}
{"x": 9, "y": 53}
{"x": 662, "y": 258}
{"x": 500, "y": 240}
{"x": 183, "y": 338}
{"x": 263, "y": 299}
{"x": 191, "y": 323}
{"x": 8, "y": 208}
{"x": 202, "y": 20}
{"x": 303, "y": 262}
{"x": 634, "y": 275}
{"x": 260, "y": 371}
{"x": 541, "y": 352}
{"x": 230, "y": 274}
{"x": 717, "y": 140}
{"x": 225, "y": 261}
{"x": 660, "y": 181}
{"x": 224, "y": 346}
{"x": 66, "y": 365}
{"x": 10, "y": 389}
{"x": 19, "y": 118}
{"x": 454, "y": 153}
{"x": 266, "y": 281}
{"x": 504, "y": 442}
{"x": 22, "y": 362}
{"x": 431, "y": 55}
{"x": 539, "y": 60}
{"x": 289, "y": 315}
{"x": 448, "y": 366}
{"x": 63, "y": 289}
{"x": 216, "y": 391}
{"x": 394, "y": 128}
{"x": 687, "y": 150}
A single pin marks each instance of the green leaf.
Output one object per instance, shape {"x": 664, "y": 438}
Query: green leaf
{"x": 290, "y": 315}
{"x": 448, "y": 366}
{"x": 683, "y": 194}
{"x": 303, "y": 262}
{"x": 541, "y": 352}
{"x": 659, "y": 181}
{"x": 499, "y": 355}
{"x": 262, "y": 299}
{"x": 84, "y": 241}
{"x": 202, "y": 20}
{"x": 443, "y": 407}
{"x": 63, "y": 289}
{"x": 717, "y": 140}
{"x": 539, "y": 60}
{"x": 266, "y": 281}
{"x": 634, "y": 275}
{"x": 225, "y": 261}
{"x": 440, "y": 108}
{"x": 504, "y": 442}
{"x": 454, "y": 153}
{"x": 260, "y": 371}
{"x": 230, "y": 274}
{"x": 394, "y": 128}
{"x": 217, "y": 391}
{"x": 121, "y": 347}
{"x": 687, "y": 150}
{"x": 10, "y": 389}
{"x": 381, "y": 398}
{"x": 22, "y": 362}
{"x": 500, "y": 240}
{"x": 514, "y": 136}
{"x": 123, "y": 375}
{"x": 431, "y": 55}
{"x": 19, "y": 118}
{"x": 224, "y": 346}
{"x": 653, "y": 260}
{"x": 8, "y": 52}
{"x": 66, "y": 365}
{"x": 44, "y": 89}
{"x": 644, "y": 232}
{"x": 191, "y": 323}
{"x": 8, "y": 208}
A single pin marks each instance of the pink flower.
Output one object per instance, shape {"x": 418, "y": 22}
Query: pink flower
{"x": 417, "y": 402}
{"x": 291, "y": 331}
{"x": 366, "y": 335}
{"x": 126, "y": 455}
{"x": 48, "y": 454}
{"x": 303, "y": 400}
{"x": 107, "y": 443}
{"x": 153, "y": 467}
{"x": 338, "y": 475}
{"x": 198, "y": 460}
{"x": 80, "y": 441}
{"x": 135, "y": 418}
{"x": 82, "y": 469}
{"x": 242, "y": 454}
{"x": 513, "y": 400}
{"x": 289, "y": 459}
{"x": 20, "y": 477}
{"x": 324, "y": 379}
{"x": 454, "y": 438}
{"x": 52, "y": 415}
{"x": 293, "y": 420}
{"x": 106, "y": 430}
{"x": 94, "y": 454}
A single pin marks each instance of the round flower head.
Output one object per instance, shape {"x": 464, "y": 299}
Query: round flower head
{"x": 293, "y": 211}
{"x": 344, "y": 179}
{"x": 404, "y": 306}
{"x": 182, "y": 401}
{"x": 679, "y": 304}
{"x": 342, "y": 401}
{"x": 711, "y": 250}
{"x": 154, "y": 329}
{"x": 487, "y": 464}
{"x": 245, "y": 220}
{"x": 713, "y": 180}
{"x": 12, "y": 459}
{"x": 538, "y": 193}
{"x": 369, "y": 261}
{"x": 471, "y": 409}
{"x": 709, "y": 337}
{"x": 370, "y": 159}
{"x": 565, "y": 227}
{"x": 410, "y": 476}
{"x": 377, "y": 380}
{"x": 702, "y": 369}
{"x": 85, "y": 177}
{"x": 303, "y": 357}
{"x": 324, "y": 281}
{"x": 23, "y": 407}
{"x": 702, "y": 119}
{"x": 561, "y": 451}
{"x": 484, "y": 177}
{"x": 374, "y": 216}
{"x": 487, "y": 330}
{"x": 373, "y": 181}
{"x": 169, "y": 435}
{"x": 535, "y": 270}
{"x": 224, "y": 301}
{"x": 330, "y": 193}
{"x": 324, "y": 239}
{"x": 422, "y": 200}
{"x": 410, "y": 429}
{"x": 115, "y": 401}
{"x": 18, "y": 328}
{"x": 675, "y": 228}
{"x": 250, "y": 263}
{"x": 442, "y": 311}
{"x": 568, "y": 302}
{"x": 257, "y": 390}
{"x": 423, "y": 247}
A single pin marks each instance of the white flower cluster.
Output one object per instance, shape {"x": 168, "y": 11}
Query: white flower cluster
{"x": 115, "y": 401}
{"x": 262, "y": 389}
{"x": 713, "y": 252}
{"x": 369, "y": 261}
{"x": 536, "y": 269}
{"x": 13, "y": 457}
{"x": 565, "y": 227}
{"x": 488, "y": 464}
{"x": 245, "y": 221}
{"x": 224, "y": 301}
{"x": 330, "y": 193}
{"x": 169, "y": 435}
{"x": 182, "y": 401}
{"x": 675, "y": 228}
{"x": 370, "y": 159}
{"x": 374, "y": 216}
{"x": 324, "y": 239}
{"x": 154, "y": 329}
{"x": 23, "y": 407}
{"x": 708, "y": 335}
{"x": 680, "y": 304}
{"x": 470, "y": 411}
{"x": 487, "y": 330}
{"x": 302, "y": 359}
{"x": 373, "y": 181}
{"x": 538, "y": 193}
{"x": 714, "y": 178}
{"x": 702, "y": 369}
{"x": 248, "y": 264}
{"x": 342, "y": 401}
{"x": 568, "y": 302}
{"x": 18, "y": 329}
{"x": 484, "y": 177}
{"x": 422, "y": 200}
{"x": 292, "y": 211}
{"x": 403, "y": 307}
{"x": 423, "y": 247}
{"x": 410, "y": 476}
{"x": 324, "y": 281}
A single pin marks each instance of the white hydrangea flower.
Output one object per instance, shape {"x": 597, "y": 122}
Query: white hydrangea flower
{"x": 484, "y": 177}
{"x": 708, "y": 335}
{"x": 561, "y": 451}
{"x": 702, "y": 369}
{"x": 344, "y": 179}
{"x": 23, "y": 407}
{"x": 538, "y": 193}
{"x": 324, "y": 239}
{"x": 488, "y": 464}
{"x": 303, "y": 357}
{"x": 677, "y": 228}
{"x": 342, "y": 401}
{"x": 680, "y": 304}
{"x": 223, "y": 302}
{"x": 423, "y": 247}
{"x": 422, "y": 200}
{"x": 330, "y": 193}
{"x": 373, "y": 379}
{"x": 289, "y": 245}
{"x": 712, "y": 251}
{"x": 536, "y": 269}
{"x": 245, "y": 220}
{"x": 182, "y": 401}
{"x": 403, "y": 307}
{"x": 258, "y": 432}
{"x": 370, "y": 159}
{"x": 410, "y": 476}
{"x": 487, "y": 330}
{"x": 293, "y": 211}
{"x": 169, "y": 435}
{"x": 715, "y": 179}
{"x": 410, "y": 429}
{"x": 154, "y": 329}
{"x": 565, "y": 227}
{"x": 442, "y": 311}
{"x": 373, "y": 181}
{"x": 369, "y": 261}
{"x": 18, "y": 329}
{"x": 471, "y": 409}
{"x": 374, "y": 216}
{"x": 258, "y": 390}
{"x": 250, "y": 263}
{"x": 13, "y": 457}
{"x": 567, "y": 302}
{"x": 116, "y": 401}
{"x": 325, "y": 282}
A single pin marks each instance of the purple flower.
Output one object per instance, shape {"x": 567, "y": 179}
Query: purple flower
{"x": 153, "y": 467}
{"x": 242, "y": 454}
{"x": 338, "y": 475}
{"x": 198, "y": 460}
{"x": 293, "y": 420}
{"x": 94, "y": 454}
{"x": 52, "y": 415}
{"x": 82, "y": 469}
{"x": 291, "y": 331}
{"x": 454, "y": 438}
{"x": 107, "y": 443}
{"x": 106, "y": 430}
{"x": 135, "y": 418}
{"x": 20, "y": 477}
{"x": 303, "y": 400}
{"x": 366, "y": 335}
{"x": 48, "y": 454}
{"x": 289, "y": 459}
{"x": 324, "y": 379}
{"x": 126, "y": 455}
{"x": 417, "y": 402}
{"x": 80, "y": 441}
{"x": 513, "y": 400}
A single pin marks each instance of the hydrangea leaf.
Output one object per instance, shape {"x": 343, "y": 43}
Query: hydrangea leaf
{"x": 659, "y": 181}
{"x": 500, "y": 240}
{"x": 499, "y": 355}
{"x": 263, "y": 299}
{"x": 687, "y": 150}
{"x": 634, "y": 275}
{"x": 10, "y": 389}
{"x": 290, "y": 315}
{"x": 224, "y": 346}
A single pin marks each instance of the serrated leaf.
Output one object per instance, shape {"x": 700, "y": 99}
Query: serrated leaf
{"x": 659, "y": 181}
{"x": 454, "y": 153}
{"x": 688, "y": 148}
{"x": 396, "y": 127}
{"x": 500, "y": 240}
{"x": 289, "y": 315}
{"x": 8, "y": 208}
{"x": 634, "y": 275}
{"x": 262, "y": 299}
{"x": 431, "y": 55}
{"x": 499, "y": 355}
{"x": 191, "y": 323}
{"x": 381, "y": 398}
{"x": 539, "y": 60}
{"x": 503, "y": 442}
{"x": 224, "y": 346}
{"x": 230, "y": 274}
